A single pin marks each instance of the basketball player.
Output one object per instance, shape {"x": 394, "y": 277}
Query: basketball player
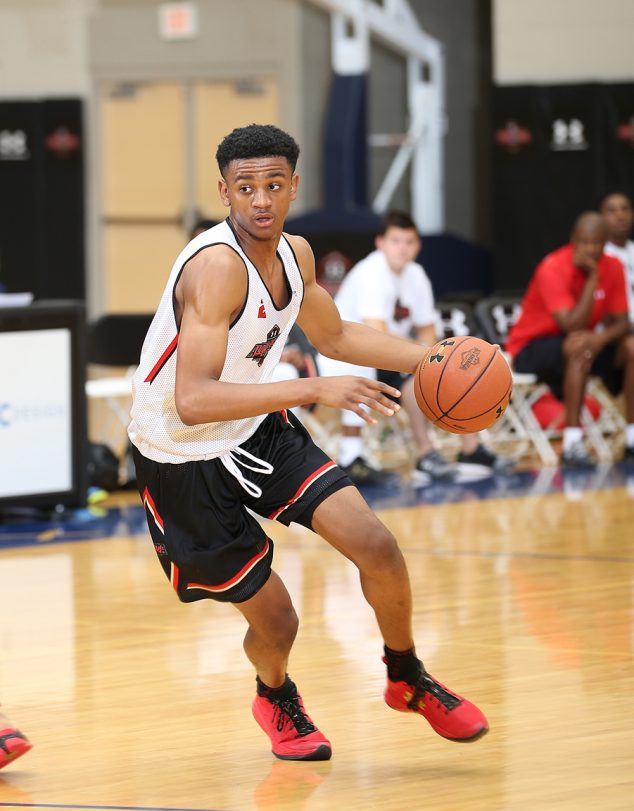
{"x": 213, "y": 437}
{"x": 13, "y": 743}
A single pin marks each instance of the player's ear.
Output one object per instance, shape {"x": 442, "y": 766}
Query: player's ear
{"x": 294, "y": 185}
{"x": 378, "y": 241}
{"x": 223, "y": 191}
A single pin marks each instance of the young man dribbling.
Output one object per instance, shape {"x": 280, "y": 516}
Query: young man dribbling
{"x": 212, "y": 437}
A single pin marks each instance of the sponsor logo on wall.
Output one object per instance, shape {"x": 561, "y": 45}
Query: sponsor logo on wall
{"x": 13, "y": 145}
{"x": 13, "y": 414}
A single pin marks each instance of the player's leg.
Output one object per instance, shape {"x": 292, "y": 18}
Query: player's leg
{"x": 347, "y": 523}
{"x": 272, "y": 630}
{"x": 278, "y": 708}
{"x": 13, "y": 744}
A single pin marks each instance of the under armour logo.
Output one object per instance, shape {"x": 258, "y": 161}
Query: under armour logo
{"x": 13, "y": 145}
{"x": 261, "y": 311}
{"x": 568, "y": 135}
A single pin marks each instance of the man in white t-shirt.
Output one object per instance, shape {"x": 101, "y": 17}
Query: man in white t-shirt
{"x": 391, "y": 292}
{"x": 616, "y": 210}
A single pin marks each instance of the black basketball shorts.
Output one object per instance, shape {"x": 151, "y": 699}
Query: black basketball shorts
{"x": 207, "y": 542}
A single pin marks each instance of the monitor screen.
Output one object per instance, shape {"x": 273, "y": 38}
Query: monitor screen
{"x": 35, "y": 412}
{"x": 42, "y": 413}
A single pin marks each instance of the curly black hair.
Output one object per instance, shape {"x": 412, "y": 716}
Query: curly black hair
{"x": 257, "y": 141}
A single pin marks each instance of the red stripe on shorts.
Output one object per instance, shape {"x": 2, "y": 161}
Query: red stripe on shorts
{"x": 148, "y": 503}
{"x": 303, "y": 487}
{"x": 244, "y": 571}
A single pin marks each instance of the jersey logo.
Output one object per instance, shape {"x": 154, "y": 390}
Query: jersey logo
{"x": 260, "y": 351}
{"x": 261, "y": 311}
{"x": 400, "y": 311}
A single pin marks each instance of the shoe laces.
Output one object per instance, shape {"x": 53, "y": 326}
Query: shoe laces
{"x": 289, "y": 709}
{"x": 425, "y": 684}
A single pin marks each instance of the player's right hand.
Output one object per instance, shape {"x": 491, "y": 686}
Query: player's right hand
{"x": 357, "y": 394}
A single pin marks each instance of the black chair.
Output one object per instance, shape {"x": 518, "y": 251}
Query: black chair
{"x": 456, "y": 318}
{"x": 115, "y": 340}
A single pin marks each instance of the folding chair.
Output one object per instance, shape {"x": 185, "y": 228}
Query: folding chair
{"x": 496, "y": 315}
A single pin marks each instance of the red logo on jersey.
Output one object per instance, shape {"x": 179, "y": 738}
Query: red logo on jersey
{"x": 400, "y": 311}
{"x": 260, "y": 351}
{"x": 261, "y": 311}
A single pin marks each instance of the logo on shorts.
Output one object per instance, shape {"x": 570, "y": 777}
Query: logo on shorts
{"x": 260, "y": 351}
{"x": 470, "y": 358}
{"x": 161, "y": 549}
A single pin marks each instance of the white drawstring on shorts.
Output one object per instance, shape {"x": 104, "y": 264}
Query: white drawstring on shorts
{"x": 231, "y": 460}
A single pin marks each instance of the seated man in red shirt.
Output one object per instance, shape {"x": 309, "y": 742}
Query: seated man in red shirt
{"x": 574, "y": 322}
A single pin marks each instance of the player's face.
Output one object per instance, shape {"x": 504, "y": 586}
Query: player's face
{"x": 618, "y": 216}
{"x": 259, "y": 192}
{"x": 400, "y": 246}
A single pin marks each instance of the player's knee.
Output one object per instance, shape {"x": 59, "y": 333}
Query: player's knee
{"x": 381, "y": 552}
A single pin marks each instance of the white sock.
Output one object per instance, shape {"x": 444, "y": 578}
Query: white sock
{"x": 572, "y": 434}
{"x": 349, "y": 448}
{"x": 629, "y": 435}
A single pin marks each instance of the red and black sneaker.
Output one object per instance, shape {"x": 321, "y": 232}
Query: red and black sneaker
{"x": 293, "y": 735}
{"x": 13, "y": 744}
{"x": 449, "y": 714}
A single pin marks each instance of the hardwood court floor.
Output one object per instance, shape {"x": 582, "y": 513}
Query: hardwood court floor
{"x": 524, "y": 604}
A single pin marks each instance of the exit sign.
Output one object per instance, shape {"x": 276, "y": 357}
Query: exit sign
{"x": 178, "y": 20}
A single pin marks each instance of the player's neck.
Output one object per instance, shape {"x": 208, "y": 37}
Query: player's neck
{"x": 262, "y": 252}
{"x": 620, "y": 242}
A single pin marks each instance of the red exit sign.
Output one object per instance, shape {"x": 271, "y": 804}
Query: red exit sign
{"x": 178, "y": 20}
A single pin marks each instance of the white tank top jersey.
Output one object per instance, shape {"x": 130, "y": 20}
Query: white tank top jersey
{"x": 256, "y": 340}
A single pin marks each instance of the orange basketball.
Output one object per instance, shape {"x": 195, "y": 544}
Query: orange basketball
{"x": 463, "y": 384}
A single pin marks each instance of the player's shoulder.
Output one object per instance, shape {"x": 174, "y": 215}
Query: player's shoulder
{"x": 300, "y": 246}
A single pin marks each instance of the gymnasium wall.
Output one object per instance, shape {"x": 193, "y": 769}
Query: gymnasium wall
{"x": 562, "y": 134}
{"x": 561, "y": 41}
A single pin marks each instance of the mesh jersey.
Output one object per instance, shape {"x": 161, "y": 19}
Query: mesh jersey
{"x": 256, "y": 340}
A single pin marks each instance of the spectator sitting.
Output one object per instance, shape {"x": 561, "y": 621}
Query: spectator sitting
{"x": 574, "y": 322}
{"x": 389, "y": 291}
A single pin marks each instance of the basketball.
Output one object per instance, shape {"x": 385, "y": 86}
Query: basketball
{"x": 463, "y": 384}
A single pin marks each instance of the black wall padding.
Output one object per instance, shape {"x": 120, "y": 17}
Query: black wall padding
{"x": 42, "y": 198}
{"x": 556, "y": 150}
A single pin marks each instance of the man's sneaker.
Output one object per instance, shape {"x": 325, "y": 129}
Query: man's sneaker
{"x": 482, "y": 457}
{"x": 432, "y": 466}
{"x": 360, "y": 472}
{"x": 13, "y": 744}
{"x": 293, "y": 735}
{"x": 449, "y": 714}
{"x": 577, "y": 456}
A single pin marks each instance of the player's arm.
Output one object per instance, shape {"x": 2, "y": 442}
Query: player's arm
{"x": 209, "y": 295}
{"x": 426, "y": 335}
{"x": 344, "y": 340}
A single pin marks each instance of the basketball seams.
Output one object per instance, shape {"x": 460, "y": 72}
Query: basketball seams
{"x": 472, "y": 385}
{"x": 442, "y": 371}
{"x": 417, "y": 387}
